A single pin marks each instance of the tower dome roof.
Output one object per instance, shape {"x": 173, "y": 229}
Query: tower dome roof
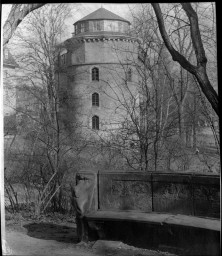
{"x": 102, "y": 14}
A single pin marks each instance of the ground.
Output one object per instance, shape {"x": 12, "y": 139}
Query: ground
{"x": 54, "y": 236}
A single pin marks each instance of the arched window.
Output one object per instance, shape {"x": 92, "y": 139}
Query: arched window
{"x": 63, "y": 59}
{"x": 129, "y": 75}
{"x": 95, "y": 99}
{"x": 95, "y": 74}
{"x": 95, "y": 122}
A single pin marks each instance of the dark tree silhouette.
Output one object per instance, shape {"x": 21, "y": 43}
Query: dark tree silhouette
{"x": 199, "y": 71}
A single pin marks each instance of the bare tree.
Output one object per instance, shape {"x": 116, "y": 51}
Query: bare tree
{"x": 199, "y": 70}
{"x": 142, "y": 104}
{"x": 39, "y": 101}
{"x": 148, "y": 131}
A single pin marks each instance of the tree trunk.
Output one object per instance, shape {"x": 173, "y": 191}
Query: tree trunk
{"x": 207, "y": 88}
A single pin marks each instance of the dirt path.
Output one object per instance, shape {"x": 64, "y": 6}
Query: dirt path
{"x": 30, "y": 238}
{"x": 22, "y": 244}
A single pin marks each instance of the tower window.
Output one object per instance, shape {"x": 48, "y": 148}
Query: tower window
{"x": 95, "y": 99}
{"x": 82, "y": 27}
{"x": 96, "y": 25}
{"x": 95, "y": 74}
{"x": 63, "y": 59}
{"x": 129, "y": 75}
{"x": 95, "y": 122}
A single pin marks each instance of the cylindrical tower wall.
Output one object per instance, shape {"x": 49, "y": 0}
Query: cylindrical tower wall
{"x": 113, "y": 56}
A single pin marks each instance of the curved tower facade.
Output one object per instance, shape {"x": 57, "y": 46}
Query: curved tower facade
{"x": 98, "y": 73}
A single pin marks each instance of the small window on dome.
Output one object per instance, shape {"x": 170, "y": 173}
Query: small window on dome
{"x": 126, "y": 27}
{"x": 96, "y": 25}
{"x": 121, "y": 28}
{"x": 82, "y": 27}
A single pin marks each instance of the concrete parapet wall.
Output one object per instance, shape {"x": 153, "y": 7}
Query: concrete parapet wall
{"x": 189, "y": 194}
{"x": 154, "y": 211}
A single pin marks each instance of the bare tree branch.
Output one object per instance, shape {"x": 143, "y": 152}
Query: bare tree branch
{"x": 195, "y": 34}
{"x": 198, "y": 71}
{"x": 17, "y": 14}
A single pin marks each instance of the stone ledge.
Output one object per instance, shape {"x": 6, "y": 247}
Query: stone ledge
{"x": 156, "y": 218}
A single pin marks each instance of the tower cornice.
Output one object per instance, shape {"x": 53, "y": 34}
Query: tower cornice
{"x": 103, "y": 37}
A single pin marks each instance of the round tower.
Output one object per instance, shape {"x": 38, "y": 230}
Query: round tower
{"x": 98, "y": 65}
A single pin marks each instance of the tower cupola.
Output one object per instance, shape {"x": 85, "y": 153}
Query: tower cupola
{"x": 101, "y": 21}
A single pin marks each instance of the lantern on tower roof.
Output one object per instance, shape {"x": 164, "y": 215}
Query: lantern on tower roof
{"x": 101, "y": 21}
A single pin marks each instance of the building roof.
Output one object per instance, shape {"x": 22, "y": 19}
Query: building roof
{"x": 8, "y": 60}
{"x": 102, "y": 14}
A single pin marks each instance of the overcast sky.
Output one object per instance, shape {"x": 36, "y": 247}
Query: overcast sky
{"x": 85, "y": 9}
